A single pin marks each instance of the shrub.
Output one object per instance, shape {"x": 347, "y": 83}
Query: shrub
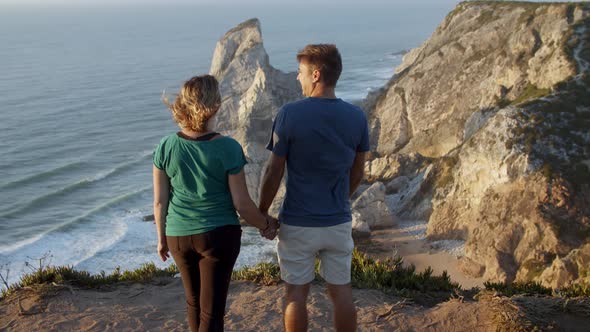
{"x": 262, "y": 273}
{"x": 392, "y": 275}
{"x": 68, "y": 275}
{"x": 510, "y": 289}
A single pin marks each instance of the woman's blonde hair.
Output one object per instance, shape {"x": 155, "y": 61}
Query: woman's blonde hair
{"x": 197, "y": 102}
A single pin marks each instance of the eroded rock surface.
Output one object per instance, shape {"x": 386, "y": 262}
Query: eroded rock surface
{"x": 497, "y": 103}
{"x": 252, "y": 92}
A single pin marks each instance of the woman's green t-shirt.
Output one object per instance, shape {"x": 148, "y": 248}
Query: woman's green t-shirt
{"x": 200, "y": 200}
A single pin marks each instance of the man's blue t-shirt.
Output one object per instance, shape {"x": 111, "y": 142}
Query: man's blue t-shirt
{"x": 319, "y": 138}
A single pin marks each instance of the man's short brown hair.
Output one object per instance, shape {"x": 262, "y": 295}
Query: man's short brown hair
{"x": 325, "y": 58}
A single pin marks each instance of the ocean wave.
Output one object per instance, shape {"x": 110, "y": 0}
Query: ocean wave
{"x": 12, "y": 247}
{"x": 66, "y": 248}
{"x": 146, "y": 153}
{"x": 30, "y": 205}
{"x": 43, "y": 175}
{"x": 396, "y": 55}
{"x": 138, "y": 246}
{"x": 68, "y": 226}
{"x": 114, "y": 240}
{"x": 72, "y": 187}
{"x": 135, "y": 247}
{"x": 100, "y": 244}
{"x": 415, "y": 228}
{"x": 77, "y": 221}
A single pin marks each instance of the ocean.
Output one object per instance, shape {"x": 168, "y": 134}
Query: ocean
{"x": 80, "y": 111}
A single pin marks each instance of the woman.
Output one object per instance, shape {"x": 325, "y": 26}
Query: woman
{"x": 199, "y": 183}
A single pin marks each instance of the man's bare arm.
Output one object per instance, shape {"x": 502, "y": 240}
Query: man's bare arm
{"x": 357, "y": 172}
{"x": 271, "y": 180}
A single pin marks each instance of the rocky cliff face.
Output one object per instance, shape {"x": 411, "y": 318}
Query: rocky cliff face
{"x": 497, "y": 103}
{"x": 480, "y": 54}
{"x": 252, "y": 92}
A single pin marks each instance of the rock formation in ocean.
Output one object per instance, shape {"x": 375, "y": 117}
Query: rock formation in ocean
{"x": 484, "y": 132}
{"x": 252, "y": 92}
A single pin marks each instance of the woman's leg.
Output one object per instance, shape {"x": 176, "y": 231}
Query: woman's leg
{"x": 219, "y": 250}
{"x": 187, "y": 261}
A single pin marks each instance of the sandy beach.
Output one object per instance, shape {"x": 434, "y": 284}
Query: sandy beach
{"x": 408, "y": 240}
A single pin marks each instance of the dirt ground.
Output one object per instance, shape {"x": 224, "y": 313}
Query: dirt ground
{"x": 159, "y": 306}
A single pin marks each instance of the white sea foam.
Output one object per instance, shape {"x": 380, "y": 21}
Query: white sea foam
{"x": 12, "y": 247}
{"x": 415, "y": 228}
{"x": 454, "y": 247}
{"x": 138, "y": 246}
{"x": 77, "y": 240}
{"x": 121, "y": 240}
{"x": 65, "y": 248}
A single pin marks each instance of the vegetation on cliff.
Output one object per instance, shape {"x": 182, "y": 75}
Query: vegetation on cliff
{"x": 390, "y": 276}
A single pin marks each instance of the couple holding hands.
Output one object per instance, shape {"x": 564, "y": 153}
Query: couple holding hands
{"x": 199, "y": 184}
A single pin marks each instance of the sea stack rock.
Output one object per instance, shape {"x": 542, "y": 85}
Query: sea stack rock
{"x": 252, "y": 92}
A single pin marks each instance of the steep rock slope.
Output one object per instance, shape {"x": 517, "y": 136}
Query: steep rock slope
{"x": 497, "y": 102}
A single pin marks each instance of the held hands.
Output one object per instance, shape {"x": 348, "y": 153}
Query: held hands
{"x": 163, "y": 250}
{"x": 271, "y": 231}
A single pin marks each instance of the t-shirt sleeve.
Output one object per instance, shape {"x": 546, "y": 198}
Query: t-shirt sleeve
{"x": 279, "y": 142}
{"x": 364, "y": 143}
{"x": 159, "y": 155}
{"x": 235, "y": 159}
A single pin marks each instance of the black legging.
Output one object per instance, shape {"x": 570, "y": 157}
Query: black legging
{"x": 206, "y": 262}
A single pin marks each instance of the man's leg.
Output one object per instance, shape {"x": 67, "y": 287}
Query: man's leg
{"x": 296, "y": 251}
{"x": 335, "y": 268}
{"x": 344, "y": 309}
{"x": 295, "y": 309}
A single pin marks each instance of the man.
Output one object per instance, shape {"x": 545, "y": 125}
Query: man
{"x": 323, "y": 141}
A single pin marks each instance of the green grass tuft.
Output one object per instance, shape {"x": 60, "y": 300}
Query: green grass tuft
{"x": 389, "y": 275}
{"x": 576, "y": 290}
{"x": 392, "y": 275}
{"x": 535, "y": 288}
{"x": 517, "y": 288}
{"x": 366, "y": 273}
{"x": 262, "y": 273}
{"x": 68, "y": 275}
{"x": 529, "y": 93}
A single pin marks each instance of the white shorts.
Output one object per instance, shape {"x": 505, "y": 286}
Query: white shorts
{"x": 298, "y": 247}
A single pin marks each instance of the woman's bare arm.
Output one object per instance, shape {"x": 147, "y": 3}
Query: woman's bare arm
{"x": 161, "y": 197}
{"x": 243, "y": 203}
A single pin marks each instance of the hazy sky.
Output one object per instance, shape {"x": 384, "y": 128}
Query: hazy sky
{"x": 240, "y": 2}
{"x": 45, "y": 3}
